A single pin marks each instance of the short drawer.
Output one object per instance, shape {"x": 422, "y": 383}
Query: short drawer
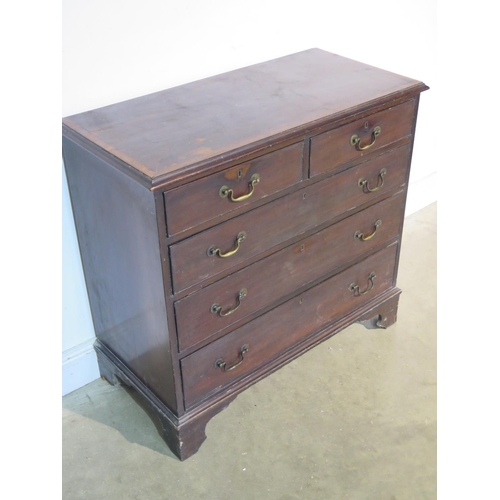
{"x": 196, "y": 259}
{"x": 350, "y": 142}
{"x": 252, "y": 346}
{"x": 232, "y": 299}
{"x": 205, "y": 199}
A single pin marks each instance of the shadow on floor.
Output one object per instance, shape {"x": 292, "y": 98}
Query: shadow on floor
{"x": 121, "y": 408}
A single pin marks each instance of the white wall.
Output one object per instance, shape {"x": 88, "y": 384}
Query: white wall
{"x": 119, "y": 49}
{"x": 78, "y": 359}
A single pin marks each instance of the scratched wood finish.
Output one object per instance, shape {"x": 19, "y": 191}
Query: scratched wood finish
{"x": 161, "y": 135}
{"x": 330, "y": 150}
{"x": 284, "y": 326}
{"x": 199, "y": 201}
{"x": 274, "y": 277}
{"x": 273, "y": 223}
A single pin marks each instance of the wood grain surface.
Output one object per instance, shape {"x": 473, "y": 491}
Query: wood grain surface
{"x": 284, "y": 326}
{"x": 281, "y": 273}
{"x": 283, "y": 219}
{"x": 199, "y": 201}
{"x": 162, "y": 134}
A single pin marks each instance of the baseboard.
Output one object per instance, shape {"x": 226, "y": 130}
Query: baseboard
{"x": 421, "y": 193}
{"x": 79, "y": 366}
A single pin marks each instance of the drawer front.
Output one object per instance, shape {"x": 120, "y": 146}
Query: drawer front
{"x": 204, "y": 372}
{"x": 193, "y": 259}
{"x": 272, "y": 278}
{"x": 212, "y": 196}
{"x": 334, "y": 148}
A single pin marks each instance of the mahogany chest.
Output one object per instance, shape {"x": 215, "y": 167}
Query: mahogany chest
{"x": 228, "y": 225}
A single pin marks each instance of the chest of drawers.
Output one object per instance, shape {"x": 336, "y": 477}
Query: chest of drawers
{"x": 228, "y": 225}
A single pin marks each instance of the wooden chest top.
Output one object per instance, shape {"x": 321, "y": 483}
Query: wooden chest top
{"x": 166, "y": 135}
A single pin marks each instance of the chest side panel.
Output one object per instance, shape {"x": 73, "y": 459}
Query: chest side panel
{"x": 117, "y": 232}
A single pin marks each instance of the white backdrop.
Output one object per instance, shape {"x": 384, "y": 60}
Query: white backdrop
{"x": 115, "y": 50}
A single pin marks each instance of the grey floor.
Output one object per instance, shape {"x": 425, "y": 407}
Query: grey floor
{"x": 353, "y": 418}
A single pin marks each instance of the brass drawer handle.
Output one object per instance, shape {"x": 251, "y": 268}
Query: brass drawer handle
{"x": 356, "y": 141}
{"x": 363, "y": 183}
{"x": 362, "y": 237}
{"x": 220, "y": 363}
{"x": 225, "y": 192}
{"x": 217, "y": 308}
{"x": 216, "y": 250}
{"x": 355, "y": 288}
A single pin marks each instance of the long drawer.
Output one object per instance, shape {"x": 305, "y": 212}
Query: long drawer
{"x": 205, "y": 199}
{"x": 351, "y": 142}
{"x": 235, "y": 297}
{"x": 222, "y": 247}
{"x": 252, "y": 346}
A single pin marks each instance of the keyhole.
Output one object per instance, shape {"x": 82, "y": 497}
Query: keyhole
{"x": 366, "y": 124}
{"x": 239, "y": 174}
